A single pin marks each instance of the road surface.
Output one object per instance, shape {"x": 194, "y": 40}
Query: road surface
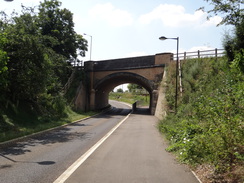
{"x": 134, "y": 153}
{"x": 43, "y": 158}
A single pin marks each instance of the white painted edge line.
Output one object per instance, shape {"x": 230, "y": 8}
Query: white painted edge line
{"x": 48, "y": 130}
{"x": 196, "y": 176}
{"x": 64, "y": 176}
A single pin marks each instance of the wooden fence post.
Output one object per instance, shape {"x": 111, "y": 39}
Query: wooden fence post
{"x": 216, "y": 53}
{"x": 180, "y": 76}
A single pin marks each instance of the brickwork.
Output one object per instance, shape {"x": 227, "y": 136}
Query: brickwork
{"x": 103, "y": 76}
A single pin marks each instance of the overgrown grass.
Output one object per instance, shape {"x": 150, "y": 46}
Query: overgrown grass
{"x": 208, "y": 127}
{"x": 19, "y": 121}
{"x": 130, "y": 98}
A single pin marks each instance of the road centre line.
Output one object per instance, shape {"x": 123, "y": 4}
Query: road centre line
{"x": 65, "y": 175}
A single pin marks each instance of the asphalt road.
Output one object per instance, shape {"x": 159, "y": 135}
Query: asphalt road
{"x": 42, "y": 159}
{"x": 134, "y": 153}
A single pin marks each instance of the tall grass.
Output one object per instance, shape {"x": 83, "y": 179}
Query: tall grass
{"x": 208, "y": 127}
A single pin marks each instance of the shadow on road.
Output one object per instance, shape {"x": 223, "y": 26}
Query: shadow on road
{"x": 63, "y": 134}
{"x": 142, "y": 111}
{"x": 12, "y": 160}
{"x": 60, "y": 135}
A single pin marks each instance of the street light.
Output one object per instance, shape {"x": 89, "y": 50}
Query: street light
{"x": 162, "y": 38}
{"x": 90, "y": 44}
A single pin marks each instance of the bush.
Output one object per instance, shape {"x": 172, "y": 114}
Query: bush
{"x": 208, "y": 127}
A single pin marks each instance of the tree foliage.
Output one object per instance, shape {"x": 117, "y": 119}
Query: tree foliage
{"x": 33, "y": 61}
{"x": 3, "y": 64}
{"x": 232, "y": 14}
{"x": 58, "y": 23}
{"x": 233, "y": 44}
{"x": 230, "y": 10}
{"x": 132, "y": 87}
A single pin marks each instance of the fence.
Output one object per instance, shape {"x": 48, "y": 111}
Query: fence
{"x": 200, "y": 54}
{"x": 197, "y": 54}
{"x": 70, "y": 80}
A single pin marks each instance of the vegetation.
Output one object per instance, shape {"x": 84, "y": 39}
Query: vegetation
{"x": 231, "y": 10}
{"x": 133, "y": 87}
{"x": 130, "y": 97}
{"x": 21, "y": 121}
{"x": 35, "y": 48}
{"x": 235, "y": 43}
{"x": 208, "y": 128}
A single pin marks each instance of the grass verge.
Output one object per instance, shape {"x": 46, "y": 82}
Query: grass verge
{"x": 20, "y": 123}
{"x": 130, "y": 98}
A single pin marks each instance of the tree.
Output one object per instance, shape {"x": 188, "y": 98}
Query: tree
{"x": 120, "y": 90}
{"x": 58, "y": 23}
{"x": 134, "y": 87}
{"x": 30, "y": 66}
{"x": 232, "y": 14}
{"x": 3, "y": 66}
{"x": 35, "y": 47}
{"x": 230, "y": 10}
{"x": 58, "y": 26}
{"x": 233, "y": 44}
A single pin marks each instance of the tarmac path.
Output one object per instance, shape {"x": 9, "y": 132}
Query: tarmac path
{"x": 134, "y": 153}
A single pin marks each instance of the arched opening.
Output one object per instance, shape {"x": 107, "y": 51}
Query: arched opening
{"x": 107, "y": 84}
{"x": 133, "y": 94}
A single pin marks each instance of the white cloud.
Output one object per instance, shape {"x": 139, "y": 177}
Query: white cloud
{"x": 212, "y": 21}
{"x": 200, "y": 48}
{"x": 176, "y": 16}
{"x": 112, "y": 15}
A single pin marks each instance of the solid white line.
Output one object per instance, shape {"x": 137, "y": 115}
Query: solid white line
{"x": 63, "y": 177}
{"x": 196, "y": 176}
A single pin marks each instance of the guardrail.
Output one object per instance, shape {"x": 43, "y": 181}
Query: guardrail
{"x": 200, "y": 54}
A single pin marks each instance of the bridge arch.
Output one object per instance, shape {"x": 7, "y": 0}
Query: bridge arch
{"x": 107, "y": 84}
{"x": 103, "y": 76}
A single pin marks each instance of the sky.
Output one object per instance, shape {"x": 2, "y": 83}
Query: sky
{"x": 128, "y": 28}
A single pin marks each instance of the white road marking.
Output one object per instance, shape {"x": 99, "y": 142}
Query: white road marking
{"x": 64, "y": 176}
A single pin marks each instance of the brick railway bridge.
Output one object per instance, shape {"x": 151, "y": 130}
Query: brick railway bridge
{"x": 103, "y": 76}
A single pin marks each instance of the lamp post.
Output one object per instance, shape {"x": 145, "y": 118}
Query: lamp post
{"x": 162, "y": 38}
{"x": 90, "y": 44}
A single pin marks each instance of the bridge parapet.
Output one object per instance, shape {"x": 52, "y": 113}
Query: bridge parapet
{"x": 124, "y": 63}
{"x": 129, "y": 63}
